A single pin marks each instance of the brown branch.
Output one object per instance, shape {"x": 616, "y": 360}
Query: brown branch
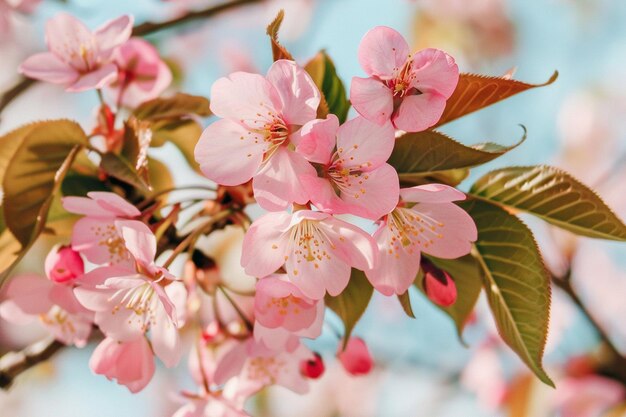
{"x": 143, "y": 29}
{"x": 615, "y": 364}
{"x": 14, "y": 363}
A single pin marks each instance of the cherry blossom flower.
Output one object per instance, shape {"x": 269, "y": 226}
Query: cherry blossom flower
{"x": 128, "y": 302}
{"x": 355, "y": 176}
{"x": 410, "y": 90}
{"x": 52, "y": 301}
{"x": 356, "y": 358}
{"x": 255, "y": 363}
{"x": 131, "y": 363}
{"x": 78, "y": 58}
{"x": 96, "y": 236}
{"x": 434, "y": 225}
{"x": 316, "y": 249}
{"x": 142, "y": 74}
{"x": 261, "y": 117}
{"x": 588, "y": 396}
{"x": 283, "y": 313}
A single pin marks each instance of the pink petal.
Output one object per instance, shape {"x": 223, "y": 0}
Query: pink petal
{"x": 231, "y": 363}
{"x": 131, "y": 363}
{"x": 449, "y": 230}
{"x": 29, "y": 294}
{"x": 228, "y": 153}
{"x": 323, "y": 195}
{"x": 63, "y": 265}
{"x": 431, "y": 193}
{"x": 418, "y": 113}
{"x": 297, "y": 91}
{"x": 114, "y": 32}
{"x": 66, "y": 36}
{"x": 356, "y": 247}
{"x": 372, "y": 99}
{"x": 372, "y": 194}
{"x": 383, "y": 52}
{"x": 356, "y": 358}
{"x": 244, "y": 97}
{"x": 265, "y": 244}
{"x": 363, "y": 144}
{"x": 166, "y": 340}
{"x": 316, "y": 140}
{"x": 277, "y": 185}
{"x": 48, "y": 67}
{"x": 435, "y": 71}
{"x": 397, "y": 267}
{"x": 114, "y": 204}
{"x": 95, "y": 79}
{"x": 139, "y": 240}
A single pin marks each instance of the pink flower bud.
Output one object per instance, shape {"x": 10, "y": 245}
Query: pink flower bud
{"x": 439, "y": 286}
{"x": 356, "y": 358}
{"x": 212, "y": 332}
{"x": 64, "y": 265}
{"x": 313, "y": 368}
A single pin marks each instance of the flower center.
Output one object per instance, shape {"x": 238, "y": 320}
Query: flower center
{"x": 410, "y": 228}
{"x": 109, "y": 237}
{"x": 287, "y": 305}
{"x": 405, "y": 78}
{"x": 141, "y": 300}
{"x": 311, "y": 244}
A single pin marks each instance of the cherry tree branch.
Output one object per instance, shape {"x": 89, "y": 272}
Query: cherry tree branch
{"x": 615, "y": 364}
{"x": 14, "y": 363}
{"x": 143, "y": 29}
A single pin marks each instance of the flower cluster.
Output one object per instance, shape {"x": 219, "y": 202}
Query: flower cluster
{"x": 79, "y": 59}
{"x": 304, "y": 166}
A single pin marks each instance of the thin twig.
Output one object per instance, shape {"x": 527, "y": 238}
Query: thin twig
{"x": 143, "y": 29}
{"x": 14, "y": 363}
{"x": 616, "y": 366}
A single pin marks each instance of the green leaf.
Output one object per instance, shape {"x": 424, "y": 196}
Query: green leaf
{"x": 467, "y": 275}
{"x": 515, "y": 280}
{"x": 405, "y": 302}
{"x": 322, "y": 70}
{"x": 184, "y": 135}
{"x": 9, "y": 251}
{"x": 79, "y": 185}
{"x": 118, "y": 167}
{"x": 178, "y": 106}
{"x": 554, "y": 196}
{"x": 160, "y": 176}
{"x": 352, "y": 302}
{"x": 474, "y": 92}
{"x": 428, "y": 153}
{"x": 35, "y": 172}
{"x": 278, "y": 51}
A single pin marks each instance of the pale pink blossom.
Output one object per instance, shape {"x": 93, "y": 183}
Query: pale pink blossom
{"x": 410, "y": 90}
{"x": 130, "y": 301}
{"x": 260, "y": 119}
{"x": 316, "y": 249}
{"x": 283, "y": 313}
{"x": 131, "y": 363}
{"x": 354, "y": 176}
{"x": 95, "y": 236}
{"x": 29, "y": 297}
{"x": 255, "y": 363}
{"x": 142, "y": 74}
{"x": 434, "y": 225}
{"x": 356, "y": 358}
{"x": 78, "y": 58}
{"x": 588, "y": 396}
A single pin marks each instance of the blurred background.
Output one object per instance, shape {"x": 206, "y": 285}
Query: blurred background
{"x": 578, "y": 123}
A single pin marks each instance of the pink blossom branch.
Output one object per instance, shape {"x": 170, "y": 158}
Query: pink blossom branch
{"x": 143, "y": 29}
{"x": 14, "y": 363}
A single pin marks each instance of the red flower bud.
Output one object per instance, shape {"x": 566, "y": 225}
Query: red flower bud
{"x": 439, "y": 285}
{"x": 313, "y": 368}
{"x": 64, "y": 265}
